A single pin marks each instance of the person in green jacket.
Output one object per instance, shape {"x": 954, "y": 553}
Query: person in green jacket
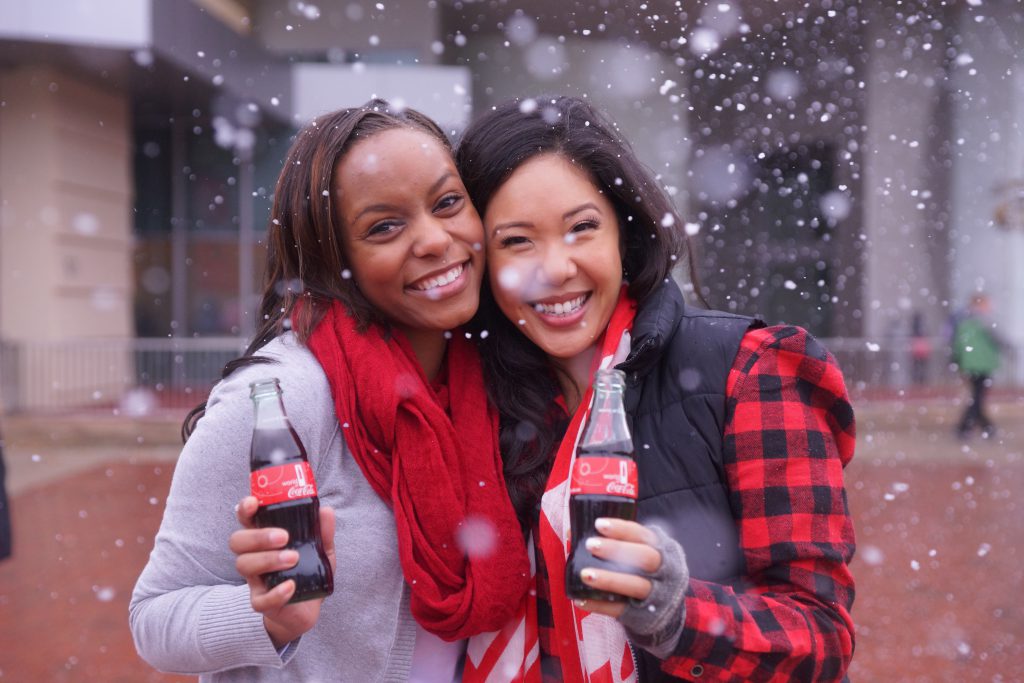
{"x": 976, "y": 351}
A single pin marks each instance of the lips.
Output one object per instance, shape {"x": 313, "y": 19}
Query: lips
{"x": 561, "y": 308}
{"x": 438, "y": 280}
{"x": 563, "y": 312}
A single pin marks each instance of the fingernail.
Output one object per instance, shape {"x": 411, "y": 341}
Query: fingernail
{"x": 287, "y": 556}
{"x": 593, "y": 543}
{"x": 603, "y": 524}
{"x": 588, "y": 575}
{"x": 278, "y": 536}
{"x": 580, "y": 603}
{"x": 236, "y": 508}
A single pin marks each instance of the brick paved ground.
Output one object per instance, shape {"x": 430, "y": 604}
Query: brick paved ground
{"x": 940, "y": 531}
{"x": 940, "y": 548}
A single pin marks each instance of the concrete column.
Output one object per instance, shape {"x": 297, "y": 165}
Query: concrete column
{"x": 905, "y": 184}
{"x": 988, "y": 129}
{"x": 66, "y": 189}
{"x": 65, "y": 232}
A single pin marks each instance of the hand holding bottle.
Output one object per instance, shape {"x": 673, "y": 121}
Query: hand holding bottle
{"x": 603, "y": 485}
{"x": 289, "y": 558}
{"x": 618, "y": 566}
{"x": 626, "y": 544}
{"x": 655, "y": 582}
{"x": 259, "y": 552}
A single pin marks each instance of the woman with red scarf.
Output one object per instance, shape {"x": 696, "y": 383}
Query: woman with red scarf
{"x": 739, "y": 561}
{"x": 374, "y": 262}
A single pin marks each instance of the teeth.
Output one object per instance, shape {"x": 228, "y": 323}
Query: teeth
{"x": 440, "y": 281}
{"x": 565, "y": 308}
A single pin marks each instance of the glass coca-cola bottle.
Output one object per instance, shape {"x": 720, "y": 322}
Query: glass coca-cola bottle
{"x": 282, "y": 480}
{"x": 603, "y": 483}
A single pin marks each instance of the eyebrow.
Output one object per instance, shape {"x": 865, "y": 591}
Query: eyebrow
{"x": 586, "y": 205}
{"x": 382, "y": 208}
{"x": 565, "y": 216}
{"x": 439, "y": 182}
{"x": 391, "y": 207}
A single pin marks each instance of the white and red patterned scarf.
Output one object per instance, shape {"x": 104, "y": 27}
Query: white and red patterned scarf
{"x": 591, "y": 648}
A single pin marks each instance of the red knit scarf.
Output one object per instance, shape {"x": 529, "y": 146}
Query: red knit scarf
{"x": 460, "y": 545}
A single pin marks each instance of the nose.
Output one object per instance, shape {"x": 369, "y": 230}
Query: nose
{"x": 557, "y": 266}
{"x": 431, "y": 239}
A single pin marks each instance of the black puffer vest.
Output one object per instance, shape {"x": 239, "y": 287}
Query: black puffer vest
{"x": 676, "y": 376}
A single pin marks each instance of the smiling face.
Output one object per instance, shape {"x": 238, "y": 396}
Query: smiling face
{"x": 554, "y": 257}
{"x": 410, "y": 234}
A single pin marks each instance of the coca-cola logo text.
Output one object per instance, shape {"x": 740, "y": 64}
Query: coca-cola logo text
{"x": 281, "y": 483}
{"x": 619, "y": 488}
{"x": 600, "y": 475}
{"x": 305, "y": 491}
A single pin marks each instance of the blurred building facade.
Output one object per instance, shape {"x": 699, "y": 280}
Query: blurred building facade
{"x": 841, "y": 165}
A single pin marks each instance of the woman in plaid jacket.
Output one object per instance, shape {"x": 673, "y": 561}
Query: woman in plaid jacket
{"x": 741, "y": 431}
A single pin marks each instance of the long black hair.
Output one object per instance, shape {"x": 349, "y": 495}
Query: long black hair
{"x": 304, "y": 244}
{"x": 520, "y": 380}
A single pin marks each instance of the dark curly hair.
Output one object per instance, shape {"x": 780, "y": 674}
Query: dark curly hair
{"x": 520, "y": 380}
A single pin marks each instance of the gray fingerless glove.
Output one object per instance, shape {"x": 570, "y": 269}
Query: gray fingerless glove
{"x": 656, "y": 623}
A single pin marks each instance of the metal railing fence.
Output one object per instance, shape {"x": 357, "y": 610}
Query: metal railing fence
{"x": 134, "y": 375}
{"x": 138, "y": 376}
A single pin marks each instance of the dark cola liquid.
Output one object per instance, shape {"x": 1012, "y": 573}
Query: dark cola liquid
{"x": 584, "y": 510}
{"x": 300, "y": 518}
{"x": 272, "y": 447}
{"x": 312, "y": 574}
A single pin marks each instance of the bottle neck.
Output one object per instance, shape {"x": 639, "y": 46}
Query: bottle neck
{"x": 608, "y": 398}
{"x": 269, "y": 411}
{"x": 607, "y": 428}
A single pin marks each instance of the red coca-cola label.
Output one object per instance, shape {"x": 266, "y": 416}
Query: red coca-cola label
{"x": 283, "y": 483}
{"x": 606, "y": 476}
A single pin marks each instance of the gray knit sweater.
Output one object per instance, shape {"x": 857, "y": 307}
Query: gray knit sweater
{"x": 190, "y": 610}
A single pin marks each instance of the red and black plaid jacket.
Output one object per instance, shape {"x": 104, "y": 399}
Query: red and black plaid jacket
{"x": 789, "y": 432}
